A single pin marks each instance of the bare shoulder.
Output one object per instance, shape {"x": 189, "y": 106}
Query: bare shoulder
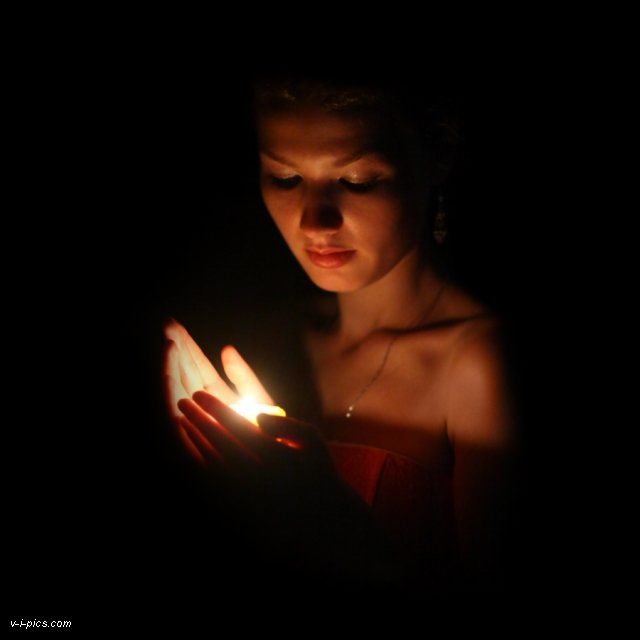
{"x": 480, "y": 409}
{"x": 464, "y": 327}
{"x": 479, "y": 342}
{"x": 475, "y": 332}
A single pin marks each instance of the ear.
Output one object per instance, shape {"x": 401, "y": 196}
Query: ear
{"x": 445, "y": 160}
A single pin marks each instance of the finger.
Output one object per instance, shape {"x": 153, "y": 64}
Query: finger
{"x": 197, "y": 444}
{"x": 242, "y": 428}
{"x": 231, "y": 448}
{"x": 189, "y": 445}
{"x": 288, "y": 442}
{"x": 208, "y": 375}
{"x": 174, "y": 393}
{"x": 287, "y": 428}
{"x": 242, "y": 376}
{"x": 173, "y": 389}
{"x": 198, "y": 447}
{"x": 174, "y": 330}
{"x": 171, "y": 362}
{"x": 207, "y": 458}
{"x": 189, "y": 374}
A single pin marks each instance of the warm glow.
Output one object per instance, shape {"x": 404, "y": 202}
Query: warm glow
{"x": 250, "y": 409}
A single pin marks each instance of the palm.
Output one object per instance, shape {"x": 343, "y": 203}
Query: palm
{"x": 187, "y": 370}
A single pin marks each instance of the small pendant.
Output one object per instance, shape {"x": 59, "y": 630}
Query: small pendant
{"x": 349, "y": 410}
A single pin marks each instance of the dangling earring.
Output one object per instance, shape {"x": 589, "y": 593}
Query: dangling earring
{"x": 439, "y": 227}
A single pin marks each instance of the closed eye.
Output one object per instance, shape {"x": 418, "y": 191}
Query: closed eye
{"x": 293, "y": 181}
{"x": 285, "y": 183}
{"x": 359, "y": 187}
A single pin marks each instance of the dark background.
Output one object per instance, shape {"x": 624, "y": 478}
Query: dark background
{"x": 136, "y": 198}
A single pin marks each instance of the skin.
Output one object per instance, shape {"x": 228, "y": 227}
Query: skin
{"x": 446, "y": 370}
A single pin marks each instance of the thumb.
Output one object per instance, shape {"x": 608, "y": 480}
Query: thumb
{"x": 243, "y": 376}
{"x": 286, "y": 428}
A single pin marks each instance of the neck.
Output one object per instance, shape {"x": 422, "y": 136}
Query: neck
{"x": 402, "y": 298}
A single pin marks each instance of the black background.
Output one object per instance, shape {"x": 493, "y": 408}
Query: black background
{"x": 136, "y": 198}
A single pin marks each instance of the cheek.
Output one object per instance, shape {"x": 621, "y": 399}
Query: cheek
{"x": 280, "y": 211}
{"x": 385, "y": 228}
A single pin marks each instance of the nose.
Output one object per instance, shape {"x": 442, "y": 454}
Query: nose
{"x": 320, "y": 216}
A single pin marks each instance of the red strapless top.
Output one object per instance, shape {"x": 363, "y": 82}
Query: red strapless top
{"x": 412, "y": 504}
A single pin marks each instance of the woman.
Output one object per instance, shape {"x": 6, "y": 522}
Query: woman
{"x": 401, "y": 473}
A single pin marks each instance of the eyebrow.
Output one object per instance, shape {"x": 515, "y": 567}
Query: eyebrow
{"x": 341, "y": 162}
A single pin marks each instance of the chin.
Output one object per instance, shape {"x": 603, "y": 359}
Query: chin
{"x": 336, "y": 282}
{"x": 335, "y": 288}
{"x": 349, "y": 277}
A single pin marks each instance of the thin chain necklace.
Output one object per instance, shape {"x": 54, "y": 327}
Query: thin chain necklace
{"x": 351, "y": 407}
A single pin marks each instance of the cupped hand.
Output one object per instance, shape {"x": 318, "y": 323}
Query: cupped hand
{"x": 186, "y": 369}
{"x": 282, "y": 481}
{"x": 280, "y": 450}
{"x": 279, "y": 477}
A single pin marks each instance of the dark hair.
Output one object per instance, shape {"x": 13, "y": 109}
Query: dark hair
{"x": 425, "y": 126}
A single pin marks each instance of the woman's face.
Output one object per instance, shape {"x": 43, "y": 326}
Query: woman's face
{"x": 329, "y": 184}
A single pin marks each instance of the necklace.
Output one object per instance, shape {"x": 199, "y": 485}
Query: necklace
{"x": 351, "y": 407}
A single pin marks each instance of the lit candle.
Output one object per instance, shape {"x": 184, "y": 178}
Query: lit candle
{"x": 250, "y": 409}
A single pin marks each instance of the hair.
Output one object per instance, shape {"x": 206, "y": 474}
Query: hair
{"x": 427, "y": 124}
{"x": 423, "y": 127}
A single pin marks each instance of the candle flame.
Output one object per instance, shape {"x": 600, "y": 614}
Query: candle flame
{"x": 249, "y": 408}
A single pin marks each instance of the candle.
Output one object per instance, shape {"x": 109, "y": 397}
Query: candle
{"x": 250, "y": 409}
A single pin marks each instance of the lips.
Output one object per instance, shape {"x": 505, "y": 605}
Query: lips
{"x": 325, "y": 250}
{"x": 330, "y": 258}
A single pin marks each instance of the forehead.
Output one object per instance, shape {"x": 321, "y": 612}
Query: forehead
{"x": 318, "y": 132}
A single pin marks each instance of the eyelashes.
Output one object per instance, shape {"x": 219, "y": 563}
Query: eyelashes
{"x": 359, "y": 187}
{"x": 290, "y": 183}
{"x": 285, "y": 183}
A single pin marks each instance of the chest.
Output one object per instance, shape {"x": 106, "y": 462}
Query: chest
{"x": 398, "y": 394}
